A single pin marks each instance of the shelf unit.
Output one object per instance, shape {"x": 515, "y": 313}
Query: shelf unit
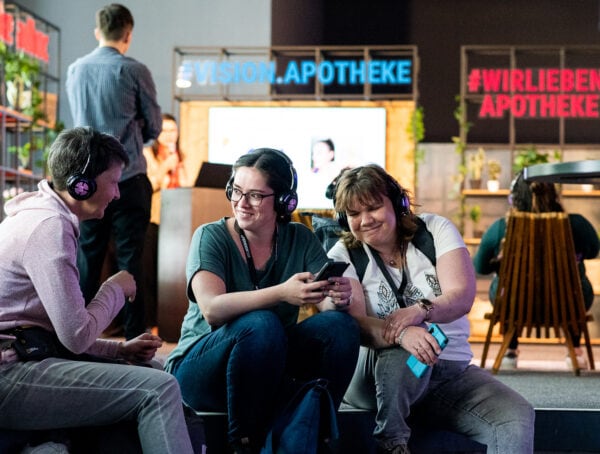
{"x": 16, "y": 128}
{"x": 516, "y": 74}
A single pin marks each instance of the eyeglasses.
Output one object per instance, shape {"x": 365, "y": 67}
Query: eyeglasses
{"x": 252, "y": 197}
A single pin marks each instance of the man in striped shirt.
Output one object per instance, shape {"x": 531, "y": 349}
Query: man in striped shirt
{"x": 115, "y": 94}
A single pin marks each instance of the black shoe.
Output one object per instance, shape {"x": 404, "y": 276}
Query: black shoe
{"x": 243, "y": 446}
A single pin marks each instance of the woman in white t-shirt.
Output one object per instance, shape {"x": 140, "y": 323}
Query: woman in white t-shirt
{"x": 401, "y": 294}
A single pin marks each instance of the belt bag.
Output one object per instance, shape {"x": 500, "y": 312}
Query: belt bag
{"x": 35, "y": 343}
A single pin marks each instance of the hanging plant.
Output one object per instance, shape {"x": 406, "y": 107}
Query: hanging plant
{"x": 460, "y": 146}
{"x": 416, "y": 132}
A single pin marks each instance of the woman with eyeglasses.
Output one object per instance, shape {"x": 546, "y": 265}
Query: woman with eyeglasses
{"x": 537, "y": 197}
{"x": 247, "y": 277}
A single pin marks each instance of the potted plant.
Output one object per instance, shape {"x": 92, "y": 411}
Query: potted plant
{"x": 22, "y": 79}
{"x": 493, "y": 168}
{"x": 37, "y": 144}
{"x": 23, "y": 154}
{"x": 475, "y": 164}
{"x": 475, "y": 215}
{"x": 529, "y": 156}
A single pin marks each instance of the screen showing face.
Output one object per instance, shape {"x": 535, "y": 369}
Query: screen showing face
{"x": 320, "y": 141}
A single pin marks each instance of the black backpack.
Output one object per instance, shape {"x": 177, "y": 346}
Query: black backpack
{"x": 328, "y": 231}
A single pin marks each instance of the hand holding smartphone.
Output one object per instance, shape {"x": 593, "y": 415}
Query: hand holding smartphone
{"x": 417, "y": 367}
{"x": 331, "y": 269}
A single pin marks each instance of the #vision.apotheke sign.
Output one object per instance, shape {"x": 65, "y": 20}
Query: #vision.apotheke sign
{"x": 296, "y": 72}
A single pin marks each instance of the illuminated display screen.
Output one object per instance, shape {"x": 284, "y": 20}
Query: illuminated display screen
{"x": 306, "y": 135}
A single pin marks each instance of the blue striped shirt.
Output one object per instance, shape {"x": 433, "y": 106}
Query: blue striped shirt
{"x": 115, "y": 94}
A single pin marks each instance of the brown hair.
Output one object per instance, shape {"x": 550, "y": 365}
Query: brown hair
{"x": 534, "y": 197}
{"x": 114, "y": 21}
{"x": 367, "y": 185}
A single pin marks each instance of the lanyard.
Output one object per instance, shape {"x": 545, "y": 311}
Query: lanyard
{"x": 398, "y": 292}
{"x": 246, "y": 247}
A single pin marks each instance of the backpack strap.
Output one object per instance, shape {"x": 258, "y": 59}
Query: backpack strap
{"x": 423, "y": 240}
{"x": 360, "y": 260}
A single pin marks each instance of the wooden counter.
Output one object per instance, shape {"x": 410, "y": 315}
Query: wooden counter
{"x": 182, "y": 211}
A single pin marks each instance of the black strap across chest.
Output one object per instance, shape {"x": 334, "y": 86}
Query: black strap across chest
{"x": 398, "y": 292}
{"x": 248, "y": 253}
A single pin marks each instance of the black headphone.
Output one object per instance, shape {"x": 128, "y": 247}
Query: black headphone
{"x": 79, "y": 186}
{"x": 398, "y": 196}
{"x": 286, "y": 202}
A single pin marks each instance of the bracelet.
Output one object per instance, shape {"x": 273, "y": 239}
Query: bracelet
{"x": 400, "y": 336}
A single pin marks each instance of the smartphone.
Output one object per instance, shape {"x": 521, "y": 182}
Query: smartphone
{"x": 417, "y": 367}
{"x": 331, "y": 269}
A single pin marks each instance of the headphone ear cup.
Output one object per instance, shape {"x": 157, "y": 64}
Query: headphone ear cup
{"x": 287, "y": 203}
{"x": 229, "y": 188}
{"x": 404, "y": 208}
{"x": 80, "y": 187}
{"x": 342, "y": 220}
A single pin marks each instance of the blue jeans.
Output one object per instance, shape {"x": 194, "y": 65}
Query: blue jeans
{"x": 57, "y": 393}
{"x": 240, "y": 367}
{"x": 452, "y": 395}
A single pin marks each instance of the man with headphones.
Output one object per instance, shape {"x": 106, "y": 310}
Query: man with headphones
{"x": 247, "y": 277}
{"x": 56, "y": 373}
{"x": 402, "y": 292}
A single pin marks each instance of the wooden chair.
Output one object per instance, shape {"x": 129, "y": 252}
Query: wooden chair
{"x": 539, "y": 290}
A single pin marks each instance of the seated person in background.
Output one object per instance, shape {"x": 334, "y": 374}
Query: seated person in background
{"x": 165, "y": 171}
{"x": 247, "y": 276}
{"x": 40, "y": 294}
{"x": 394, "y": 311}
{"x": 537, "y": 197}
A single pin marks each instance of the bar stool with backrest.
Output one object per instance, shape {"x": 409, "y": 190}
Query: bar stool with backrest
{"x": 539, "y": 289}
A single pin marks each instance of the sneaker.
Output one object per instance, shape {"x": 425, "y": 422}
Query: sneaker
{"x": 398, "y": 449}
{"x": 49, "y": 447}
{"x": 509, "y": 361}
{"x": 581, "y": 362}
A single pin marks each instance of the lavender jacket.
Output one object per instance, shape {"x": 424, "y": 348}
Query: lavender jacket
{"x": 39, "y": 280}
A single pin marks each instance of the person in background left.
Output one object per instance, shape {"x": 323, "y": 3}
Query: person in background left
{"x": 115, "y": 94}
{"x": 40, "y": 292}
{"x": 165, "y": 171}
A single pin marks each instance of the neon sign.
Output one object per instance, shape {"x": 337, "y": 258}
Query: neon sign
{"x": 537, "y": 93}
{"x": 7, "y": 27}
{"x": 341, "y": 72}
{"x": 28, "y": 38}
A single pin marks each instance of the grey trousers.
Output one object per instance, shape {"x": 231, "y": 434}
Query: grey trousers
{"x": 452, "y": 395}
{"x": 56, "y": 393}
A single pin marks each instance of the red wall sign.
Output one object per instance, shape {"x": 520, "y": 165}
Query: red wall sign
{"x": 537, "y": 93}
{"x": 28, "y": 38}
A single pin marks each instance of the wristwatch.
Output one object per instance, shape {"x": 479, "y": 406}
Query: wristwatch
{"x": 426, "y": 305}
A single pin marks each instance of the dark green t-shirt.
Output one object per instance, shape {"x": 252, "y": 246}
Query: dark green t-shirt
{"x": 213, "y": 249}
